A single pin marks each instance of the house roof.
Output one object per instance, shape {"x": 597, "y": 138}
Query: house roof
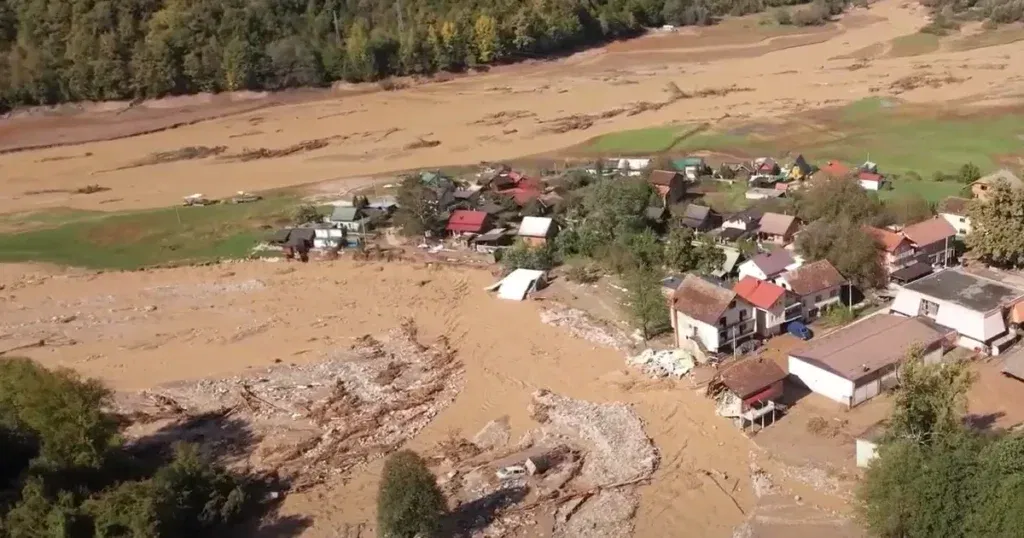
{"x": 1013, "y": 365}
{"x": 773, "y": 262}
{"x": 301, "y": 234}
{"x": 750, "y": 376}
{"x": 969, "y": 291}
{"x": 656, "y": 213}
{"x": 803, "y": 165}
{"x": 777, "y": 224}
{"x": 534, "y": 227}
{"x": 663, "y": 178}
{"x": 702, "y": 299}
{"x": 465, "y": 220}
{"x": 671, "y": 282}
{"x": 732, "y": 234}
{"x": 280, "y": 236}
{"x": 345, "y": 214}
{"x": 1004, "y": 175}
{"x": 864, "y": 175}
{"x": 732, "y": 255}
{"x": 492, "y": 235}
{"x": 695, "y": 215}
{"x": 954, "y": 206}
{"x": 758, "y": 292}
{"x": 814, "y": 277}
{"x": 930, "y": 231}
{"x": 766, "y": 164}
{"x": 750, "y": 215}
{"x": 890, "y": 241}
{"x": 911, "y": 272}
{"x": 867, "y": 346}
{"x": 835, "y": 169}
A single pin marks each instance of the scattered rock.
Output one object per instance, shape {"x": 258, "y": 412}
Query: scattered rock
{"x": 495, "y": 434}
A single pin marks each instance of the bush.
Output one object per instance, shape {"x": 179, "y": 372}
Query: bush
{"x": 306, "y": 214}
{"x": 813, "y": 15}
{"x": 583, "y": 273}
{"x": 523, "y": 256}
{"x": 409, "y": 503}
{"x": 782, "y": 17}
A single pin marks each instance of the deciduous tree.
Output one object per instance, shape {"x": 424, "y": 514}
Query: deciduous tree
{"x": 997, "y": 228}
{"x": 645, "y": 303}
{"x": 409, "y": 503}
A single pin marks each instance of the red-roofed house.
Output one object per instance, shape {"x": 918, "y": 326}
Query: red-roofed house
{"x": 834, "y": 169}
{"x": 870, "y": 180}
{"x": 464, "y": 221}
{"x": 897, "y": 251}
{"x": 773, "y": 306}
{"x": 523, "y": 189}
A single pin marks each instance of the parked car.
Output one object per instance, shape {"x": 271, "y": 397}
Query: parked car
{"x": 799, "y": 330}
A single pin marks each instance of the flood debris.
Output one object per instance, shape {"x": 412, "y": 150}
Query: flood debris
{"x": 669, "y": 362}
{"x": 582, "y": 325}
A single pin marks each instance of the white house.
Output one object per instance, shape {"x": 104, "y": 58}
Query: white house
{"x": 631, "y": 166}
{"x": 768, "y": 265}
{"x": 350, "y": 218}
{"x": 856, "y": 363}
{"x": 871, "y": 181}
{"x": 709, "y": 314}
{"x": 773, "y": 306}
{"x": 954, "y": 210}
{"x": 973, "y": 306}
{"x": 327, "y": 236}
{"x": 817, "y": 284}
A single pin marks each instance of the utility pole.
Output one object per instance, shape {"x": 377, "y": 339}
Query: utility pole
{"x": 401, "y": 21}
{"x": 337, "y": 27}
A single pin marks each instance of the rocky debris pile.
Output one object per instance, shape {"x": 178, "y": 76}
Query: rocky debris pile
{"x": 202, "y": 291}
{"x": 581, "y": 325}
{"x": 664, "y": 363}
{"x": 307, "y": 422}
{"x": 619, "y": 450}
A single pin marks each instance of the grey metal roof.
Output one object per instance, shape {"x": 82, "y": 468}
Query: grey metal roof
{"x": 345, "y": 214}
{"x": 969, "y": 291}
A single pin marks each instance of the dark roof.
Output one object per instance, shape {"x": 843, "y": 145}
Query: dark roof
{"x": 773, "y": 262}
{"x": 695, "y": 216}
{"x": 911, "y": 272}
{"x": 777, "y": 223}
{"x": 954, "y": 206}
{"x": 280, "y": 236}
{"x": 302, "y": 234}
{"x": 663, "y": 178}
{"x": 464, "y": 220}
{"x": 465, "y": 194}
{"x": 750, "y": 215}
{"x": 802, "y": 164}
{"x": 968, "y": 291}
{"x": 702, "y": 299}
{"x": 750, "y": 376}
{"x": 814, "y": 277}
{"x": 493, "y": 235}
{"x": 491, "y": 208}
{"x": 346, "y": 214}
{"x": 867, "y": 346}
{"x": 732, "y": 234}
{"x": 671, "y": 282}
{"x": 656, "y": 213}
{"x": 1013, "y": 365}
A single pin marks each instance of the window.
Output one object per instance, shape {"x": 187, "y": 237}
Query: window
{"x": 963, "y": 220}
{"x": 817, "y": 298}
{"x": 732, "y": 304}
{"x": 743, "y": 315}
{"x": 833, "y": 293}
{"x": 721, "y": 321}
{"x": 928, "y": 308}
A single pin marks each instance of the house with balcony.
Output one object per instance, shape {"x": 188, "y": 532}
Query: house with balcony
{"x": 954, "y": 210}
{"x": 897, "y": 251}
{"x": 933, "y": 241}
{"x": 778, "y": 228}
{"x": 976, "y": 307}
{"x": 773, "y": 305}
{"x": 713, "y": 316}
{"x": 816, "y": 285}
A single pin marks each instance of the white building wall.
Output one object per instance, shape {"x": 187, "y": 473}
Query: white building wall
{"x": 971, "y": 323}
{"x": 749, "y": 268}
{"x": 869, "y": 185}
{"x": 688, "y": 328}
{"x": 866, "y": 451}
{"x": 962, "y": 225}
{"x": 825, "y": 383}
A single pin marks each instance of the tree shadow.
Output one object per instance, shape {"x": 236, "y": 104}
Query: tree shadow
{"x": 218, "y": 434}
{"x": 479, "y": 513}
{"x": 273, "y": 526}
{"x": 983, "y": 422}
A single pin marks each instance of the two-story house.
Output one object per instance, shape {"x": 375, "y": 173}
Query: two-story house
{"x": 671, "y": 185}
{"x": 897, "y": 251}
{"x": 773, "y": 305}
{"x": 954, "y": 210}
{"x": 777, "y": 228}
{"x": 932, "y": 240}
{"x": 817, "y": 285}
{"x": 768, "y": 265}
{"x": 709, "y": 314}
{"x": 739, "y": 226}
{"x": 698, "y": 218}
{"x": 981, "y": 189}
{"x": 975, "y": 307}
{"x": 350, "y": 218}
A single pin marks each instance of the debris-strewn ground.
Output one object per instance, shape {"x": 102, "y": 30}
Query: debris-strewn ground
{"x": 307, "y": 422}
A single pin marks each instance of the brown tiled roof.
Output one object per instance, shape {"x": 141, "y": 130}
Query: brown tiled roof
{"x": 751, "y": 376}
{"x": 773, "y": 262}
{"x": 930, "y": 231}
{"x": 702, "y": 300}
{"x": 890, "y": 240}
{"x": 662, "y": 177}
{"x": 954, "y": 206}
{"x": 867, "y": 346}
{"x": 777, "y": 224}
{"x": 814, "y": 277}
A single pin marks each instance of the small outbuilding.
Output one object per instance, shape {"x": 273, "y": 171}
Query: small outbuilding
{"x": 465, "y": 221}
{"x": 748, "y": 391}
{"x": 519, "y": 283}
{"x": 536, "y": 231}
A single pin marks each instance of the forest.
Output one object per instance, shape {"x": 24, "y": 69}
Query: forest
{"x": 56, "y": 51}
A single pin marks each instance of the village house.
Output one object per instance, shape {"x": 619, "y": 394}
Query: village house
{"x": 871, "y": 181}
{"x": 631, "y": 167}
{"x": 710, "y": 315}
{"x": 857, "y": 363}
{"x": 777, "y": 228}
{"x": 975, "y": 307}
{"x": 764, "y": 168}
{"x": 728, "y": 267}
{"x": 748, "y": 391}
{"x": 739, "y": 225}
{"x": 350, "y": 218}
{"x": 800, "y": 170}
{"x": 933, "y": 241}
{"x": 699, "y": 218}
{"x": 493, "y": 240}
{"x": 773, "y": 306}
{"x": 326, "y": 236}
{"x": 693, "y": 167}
{"x": 536, "y": 231}
{"x": 768, "y": 265}
{"x": 954, "y": 210}
{"x": 897, "y": 251}
{"x": 465, "y": 221}
{"x": 671, "y": 185}
{"x": 981, "y": 189}
{"x": 818, "y": 285}
{"x": 833, "y": 169}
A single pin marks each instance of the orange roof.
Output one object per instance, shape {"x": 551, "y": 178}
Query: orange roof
{"x": 758, "y": 292}
{"x": 890, "y": 240}
{"x": 836, "y": 169}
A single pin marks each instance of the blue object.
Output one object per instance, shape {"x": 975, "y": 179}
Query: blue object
{"x": 799, "y": 330}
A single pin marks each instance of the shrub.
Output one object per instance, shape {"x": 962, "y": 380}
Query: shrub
{"x": 306, "y": 214}
{"x": 409, "y": 503}
{"x": 783, "y": 17}
{"x": 583, "y": 273}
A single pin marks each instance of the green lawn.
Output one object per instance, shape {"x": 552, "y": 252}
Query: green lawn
{"x": 654, "y": 139}
{"x": 132, "y": 240}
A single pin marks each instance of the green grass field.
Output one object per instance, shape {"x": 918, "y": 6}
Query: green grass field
{"x": 654, "y": 139}
{"x": 132, "y": 240}
{"x": 898, "y": 138}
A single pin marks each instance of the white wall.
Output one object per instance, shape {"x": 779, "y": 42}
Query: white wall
{"x": 866, "y": 451}
{"x": 976, "y": 325}
{"x": 688, "y": 328}
{"x": 825, "y": 383}
{"x": 869, "y": 185}
{"x": 749, "y": 268}
{"x": 961, "y": 224}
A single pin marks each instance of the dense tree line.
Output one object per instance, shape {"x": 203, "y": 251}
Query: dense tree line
{"x": 54, "y": 51}
{"x": 65, "y": 472}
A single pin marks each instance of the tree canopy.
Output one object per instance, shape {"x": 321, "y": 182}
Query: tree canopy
{"x": 54, "y": 51}
{"x": 409, "y": 503}
{"x": 66, "y": 473}
{"x": 997, "y": 227}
